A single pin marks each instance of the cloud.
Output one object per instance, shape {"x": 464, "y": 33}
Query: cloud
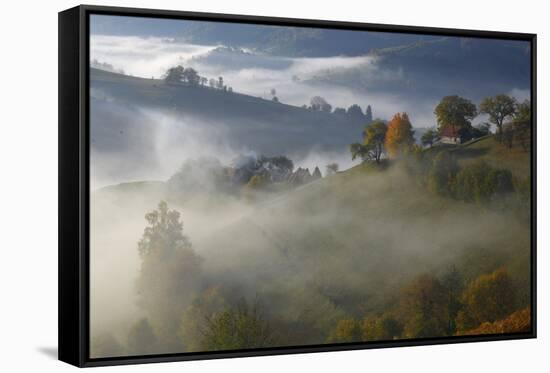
{"x": 520, "y": 94}
{"x": 296, "y": 80}
{"x": 142, "y": 56}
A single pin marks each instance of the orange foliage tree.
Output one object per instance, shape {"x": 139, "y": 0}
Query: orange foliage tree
{"x": 517, "y": 322}
{"x": 399, "y": 136}
{"x": 488, "y": 298}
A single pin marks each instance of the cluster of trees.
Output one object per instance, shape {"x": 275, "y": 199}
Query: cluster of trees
{"x": 318, "y": 103}
{"x": 458, "y": 112}
{"x": 476, "y": 181}
{"x": 452, "y": 111}
{"x": 394, "y": 138}
{"x": 183, "y": 309}
{"x": 190, "y": 76}
{"x": 214, "y": 323}
{"x": 170, "y": 274}
{"x": 105, "y": 66}
{"x": 518, "y": 130}
{"x": 431, "y": 306}
{"x": 439, "y": 171}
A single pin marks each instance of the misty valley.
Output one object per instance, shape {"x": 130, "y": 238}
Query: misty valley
{"x": 223, "y": 219}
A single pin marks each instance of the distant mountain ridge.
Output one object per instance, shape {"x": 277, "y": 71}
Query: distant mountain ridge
{"x": 288, "y": 41}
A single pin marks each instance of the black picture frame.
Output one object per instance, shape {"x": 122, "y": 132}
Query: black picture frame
{"x": 74, "y": 160}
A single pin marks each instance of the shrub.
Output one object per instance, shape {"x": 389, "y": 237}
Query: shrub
{"x": 478, "y": 182}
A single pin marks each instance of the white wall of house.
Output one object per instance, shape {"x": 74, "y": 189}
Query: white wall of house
{"x": 450, "y": 140}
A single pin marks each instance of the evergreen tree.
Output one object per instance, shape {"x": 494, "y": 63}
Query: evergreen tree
{"x": 368, "y": 114}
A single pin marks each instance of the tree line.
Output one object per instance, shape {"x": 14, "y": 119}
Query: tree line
{"x": 432, "y": 306}
{"x": 396, "y": 137}
{"x": 318, "y": 103}
{"x": 190, "y": 76}
{"x": 427, "y": 305}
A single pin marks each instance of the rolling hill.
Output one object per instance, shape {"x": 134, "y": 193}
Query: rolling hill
{"x": 334, "y": 232}
{"x": 250, "y": 121}
{"x": 488, "y": 149}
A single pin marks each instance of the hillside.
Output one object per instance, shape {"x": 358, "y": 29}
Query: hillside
{"x": 251, "y": 120}
{"x": 144, "y": 128}
{"x": 488, "y": 149}
{"x": 339, "y": 247}
{"x": 240, "y": 200}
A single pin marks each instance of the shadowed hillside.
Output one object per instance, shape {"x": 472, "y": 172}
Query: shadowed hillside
{"x": 251, "y": 120}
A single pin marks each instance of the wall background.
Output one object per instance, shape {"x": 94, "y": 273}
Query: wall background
{"x": 28, "y": 192}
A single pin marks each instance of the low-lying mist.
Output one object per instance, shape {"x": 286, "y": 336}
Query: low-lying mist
{"x": 134, "y": 144}
{"x": 336, "y": 247}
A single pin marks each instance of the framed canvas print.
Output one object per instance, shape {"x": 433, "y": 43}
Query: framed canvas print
{"x": 240, "y": 186}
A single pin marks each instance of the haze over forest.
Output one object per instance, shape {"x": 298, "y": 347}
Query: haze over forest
{"x": 300, "y": 183}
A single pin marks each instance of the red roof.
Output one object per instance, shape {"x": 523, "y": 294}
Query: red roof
{"x": 449, "y": 131}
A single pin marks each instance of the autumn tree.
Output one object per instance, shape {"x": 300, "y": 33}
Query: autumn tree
{"x": 488, "y": 298}
{"x": 498, "y": 108}
{"x": 517, "y": 322}
{"x": 455, "y": 111}
{"x": 423, "y": 308}
{"x": 347, "y": 330}
{"x": 429, "y": 137}
{"x": 380, "y": 328}
{"x": 372, "y": 147}
{"x": 237, "y": 327}
{"x": 399, "y": 135}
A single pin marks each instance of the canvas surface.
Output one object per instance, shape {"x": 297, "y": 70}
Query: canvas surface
{"x": 266, "y": 186}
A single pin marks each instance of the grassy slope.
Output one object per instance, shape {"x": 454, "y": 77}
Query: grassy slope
{"x": 356, "y": 237}
{"x": 208, "y": 101}
{"x": 494, "y": 153}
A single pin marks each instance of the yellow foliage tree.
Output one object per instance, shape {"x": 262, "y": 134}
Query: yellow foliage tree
{"x": 380, "y": 328}
{"x": 517, "y": 322}
{"x": 347, "y": 330}
{"x": 488, "y": 298}
{"x": 399, "y": 136}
